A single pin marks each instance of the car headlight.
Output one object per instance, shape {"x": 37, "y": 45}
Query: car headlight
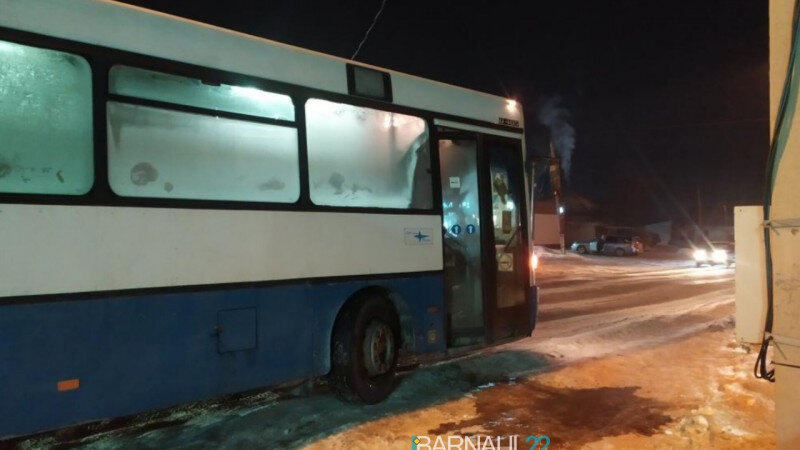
{"x": 719, "y": 256}
{"x": 700, "y": 255}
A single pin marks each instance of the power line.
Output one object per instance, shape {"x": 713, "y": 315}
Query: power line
{"x": 366, "y": 35}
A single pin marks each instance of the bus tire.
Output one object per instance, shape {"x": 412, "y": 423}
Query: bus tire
{"x": 364, "y": 349}
{"x": 581, "y": 250}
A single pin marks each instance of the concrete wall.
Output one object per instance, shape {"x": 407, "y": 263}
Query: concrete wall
{"x": 785, "y": 241}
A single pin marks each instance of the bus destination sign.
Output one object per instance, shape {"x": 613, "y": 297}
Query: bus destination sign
{"x": 509, "y": 122}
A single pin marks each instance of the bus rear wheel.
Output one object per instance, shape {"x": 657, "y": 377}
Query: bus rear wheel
{"x": 364, "y": 350}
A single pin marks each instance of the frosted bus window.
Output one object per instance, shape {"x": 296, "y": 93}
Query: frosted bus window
{"x": 366, "y": 157}
{"x": 155, "y": 152}
{"x": 45, "y": 121}
{"x": 141, "y": 83}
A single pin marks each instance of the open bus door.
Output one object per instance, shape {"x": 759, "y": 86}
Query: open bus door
{"x": 508, "y": 271}
{"x": 485, "y": 238}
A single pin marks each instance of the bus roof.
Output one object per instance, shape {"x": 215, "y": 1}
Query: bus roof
{"x": 130, "y": 28}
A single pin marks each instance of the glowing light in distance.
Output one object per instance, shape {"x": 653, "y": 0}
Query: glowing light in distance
{"x": 719, "y": 256}
{"x": 700, "y": 255}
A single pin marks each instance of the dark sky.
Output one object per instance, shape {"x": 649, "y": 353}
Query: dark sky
{"x": 667, "y": 98}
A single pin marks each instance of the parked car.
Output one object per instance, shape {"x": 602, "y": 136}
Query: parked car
{"x": 715, "y": 253}
{"x": 609, "y": 245}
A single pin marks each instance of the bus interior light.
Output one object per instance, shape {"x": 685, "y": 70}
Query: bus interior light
{"x": 255, "y": 94}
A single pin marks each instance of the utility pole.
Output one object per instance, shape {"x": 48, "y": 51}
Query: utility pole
{"x": 783, "y": 207}
{"x": 699, "y": 209}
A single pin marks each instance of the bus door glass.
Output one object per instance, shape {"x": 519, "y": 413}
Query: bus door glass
{"x": 461, "y": 228}
{"x": 508, "y": 271}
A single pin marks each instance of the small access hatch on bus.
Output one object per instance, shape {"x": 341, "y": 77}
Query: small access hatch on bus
{"x": 236, "y": 329}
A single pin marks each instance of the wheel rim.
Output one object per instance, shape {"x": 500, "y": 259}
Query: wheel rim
{"x": 378, "y": 348}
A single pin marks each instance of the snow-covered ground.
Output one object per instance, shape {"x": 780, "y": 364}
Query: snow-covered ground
{"x": 593, "y": 305}
{"x": 628, "y": 353}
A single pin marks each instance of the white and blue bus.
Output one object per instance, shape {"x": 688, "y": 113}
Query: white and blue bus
{"x": 187, "y": 212}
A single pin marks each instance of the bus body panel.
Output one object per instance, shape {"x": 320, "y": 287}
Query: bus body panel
{"x": 97, "y": 248}
{"x": 134, "y": 29}
{"x": 132, "y": 353}
{"x": 111, "y": 310}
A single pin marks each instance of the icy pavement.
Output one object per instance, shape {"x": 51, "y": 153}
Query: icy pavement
{"x": 629, "y": 353}
{"x": 640, "y": 354}
{"x": 694, "y": 393}
{"x": 592, "y": 306}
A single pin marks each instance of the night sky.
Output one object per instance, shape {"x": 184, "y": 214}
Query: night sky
{"x": 666, "y": 98}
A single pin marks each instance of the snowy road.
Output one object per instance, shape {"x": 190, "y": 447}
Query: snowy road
{"x": 590, "y": 307}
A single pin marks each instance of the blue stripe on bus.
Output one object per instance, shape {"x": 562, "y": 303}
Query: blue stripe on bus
{"x": 137, "y": 353}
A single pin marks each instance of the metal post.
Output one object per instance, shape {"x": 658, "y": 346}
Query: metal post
{"x": 531, "y": 217}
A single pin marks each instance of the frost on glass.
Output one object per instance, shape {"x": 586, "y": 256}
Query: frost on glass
{"x": 155, "y": 152}
{"x": 462, "y": 250}
{"x": 164, "y": 87}
{"x": 45, "y": 121}
{"x": 366, "y": 157}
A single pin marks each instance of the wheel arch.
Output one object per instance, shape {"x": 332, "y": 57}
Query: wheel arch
{"x": 401, "y": 309}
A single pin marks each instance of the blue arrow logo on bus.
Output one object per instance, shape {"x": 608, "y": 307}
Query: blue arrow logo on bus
{"x": 456, "y": 229}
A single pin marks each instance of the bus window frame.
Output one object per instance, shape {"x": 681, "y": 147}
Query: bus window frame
{"x": 101, "y": 59}
{"x": 68, "y": 198}
{"x": 208, "y": 112}
{"x": 431, "y": 150}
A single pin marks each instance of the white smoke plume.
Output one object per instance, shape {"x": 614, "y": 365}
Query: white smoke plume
{"x": 556, "y": 117}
